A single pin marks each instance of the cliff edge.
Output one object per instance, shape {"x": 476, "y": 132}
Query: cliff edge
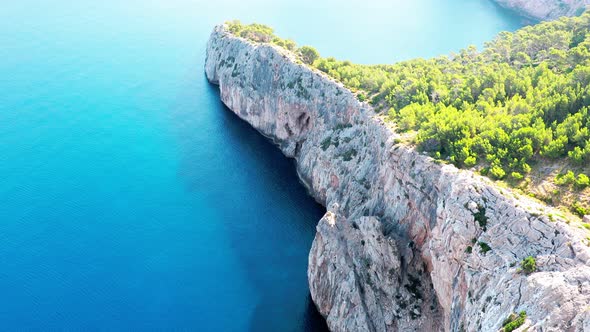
{"x": 408, "y": 244}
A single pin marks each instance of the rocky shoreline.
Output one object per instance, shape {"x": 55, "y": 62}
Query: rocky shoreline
{"x": 407, "y": 244}
{"x": 542, "y": 10}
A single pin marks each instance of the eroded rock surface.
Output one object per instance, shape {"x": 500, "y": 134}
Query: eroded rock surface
{"x": 370, "y": 287}
{"x": 404, "y": 225}
{"x": 545, "y": 9}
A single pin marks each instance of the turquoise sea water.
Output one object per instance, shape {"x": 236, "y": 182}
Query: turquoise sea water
{"x": 131, "y": 199}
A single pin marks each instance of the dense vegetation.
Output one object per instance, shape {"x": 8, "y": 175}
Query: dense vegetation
{"x": 525, "y": 96}
{"x": 522, "y": 102}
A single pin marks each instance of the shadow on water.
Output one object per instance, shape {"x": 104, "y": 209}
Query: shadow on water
{"x": 512, "y": 16}
{"x": 285, "y": 267}
{"x": 266, "y": 214}
{"x": 311, "y": 321}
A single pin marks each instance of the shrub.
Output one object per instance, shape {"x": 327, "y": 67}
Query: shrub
{"x": 582, "y": 181}
{"x": 497, "y": 172}
{"x": 580, "y": 209}
{"x": 285, "y": 43}
{"x": 470, "y": 161}
{"x": 256, "y": 32}
{"x": 576, "y": 155}
{"x": 259, "y": 33}
{"x": 484, "y": 247}
{"x": 513, "y": 321}
{"x": 308, "y": 54}
{"x": 480, "y": 217}
{"x": 565, "y": 179}
{"x": 362, "y": 97}
{"x": 529, "y": 265}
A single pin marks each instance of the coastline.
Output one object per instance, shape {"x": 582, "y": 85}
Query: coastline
{"x": 425, "y": 210}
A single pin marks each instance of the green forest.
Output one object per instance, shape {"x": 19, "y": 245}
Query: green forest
{"x": 520, "y": 103}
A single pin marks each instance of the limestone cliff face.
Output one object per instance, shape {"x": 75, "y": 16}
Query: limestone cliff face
{"x": 408, "y": 244}
{"x": 545, "y": 9}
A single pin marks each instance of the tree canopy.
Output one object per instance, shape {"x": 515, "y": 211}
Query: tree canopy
{"x": 525, "y": 96}
{"x": 308, "y": 54}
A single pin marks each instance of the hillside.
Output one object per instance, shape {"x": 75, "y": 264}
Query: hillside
{"x": 517, "y": 111}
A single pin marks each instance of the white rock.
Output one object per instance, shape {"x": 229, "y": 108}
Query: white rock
{"x": 545, "y": 9}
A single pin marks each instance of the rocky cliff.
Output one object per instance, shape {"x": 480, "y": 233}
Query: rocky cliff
{"x": 545, "y": 9}
{"x": 408, "y": 244}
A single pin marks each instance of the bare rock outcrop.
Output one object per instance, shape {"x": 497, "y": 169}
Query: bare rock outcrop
{"x": 370, "y": 287}
{"x": 409, "y": 243}
{"x": 545, "y": 9}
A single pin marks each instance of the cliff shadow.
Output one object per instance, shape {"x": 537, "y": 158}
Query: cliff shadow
{"x": 267, "y": 215}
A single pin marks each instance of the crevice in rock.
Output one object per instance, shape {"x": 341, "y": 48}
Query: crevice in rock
{"x": 302, "y": 122}
{"x": 288, "y": 130}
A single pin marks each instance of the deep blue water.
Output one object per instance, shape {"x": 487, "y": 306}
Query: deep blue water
{"x": 131, "y": 199}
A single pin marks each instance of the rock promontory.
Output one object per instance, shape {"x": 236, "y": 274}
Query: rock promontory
{"x": 408, "y": 243}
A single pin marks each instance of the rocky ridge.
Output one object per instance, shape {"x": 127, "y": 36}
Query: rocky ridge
{"x": 408, "y": 244}
{"x": 545, "y": 9}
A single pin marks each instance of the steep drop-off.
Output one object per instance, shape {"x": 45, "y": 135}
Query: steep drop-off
{"x": 545, "y": 9}
{"x": 407, "y": 243}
